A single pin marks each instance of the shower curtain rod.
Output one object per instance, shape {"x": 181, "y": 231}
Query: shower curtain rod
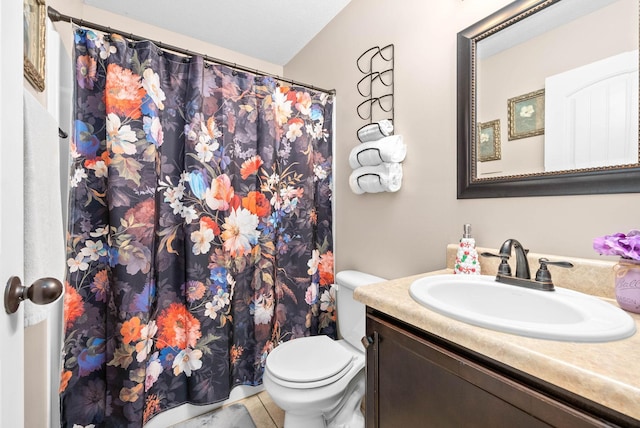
{"x": 56, "y": 16}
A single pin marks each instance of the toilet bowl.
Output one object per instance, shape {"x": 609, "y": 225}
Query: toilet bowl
{"x": 320, "y": 382}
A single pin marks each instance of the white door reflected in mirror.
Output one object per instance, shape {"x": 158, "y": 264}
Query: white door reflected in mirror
{"x": 591, "y": 115}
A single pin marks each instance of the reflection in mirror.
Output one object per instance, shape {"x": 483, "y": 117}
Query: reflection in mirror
{"x": 590, "y": 88}
{"x": 561, "y": 77}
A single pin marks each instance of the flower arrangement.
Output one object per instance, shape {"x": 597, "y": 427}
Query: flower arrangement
{"x": 626, "y": 246}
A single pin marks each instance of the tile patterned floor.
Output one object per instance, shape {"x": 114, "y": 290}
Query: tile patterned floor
{"x": 265, "y": 413}
{"x": 234, "y": 415}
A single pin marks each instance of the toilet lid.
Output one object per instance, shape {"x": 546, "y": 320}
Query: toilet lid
{"x": 308, "y": 359}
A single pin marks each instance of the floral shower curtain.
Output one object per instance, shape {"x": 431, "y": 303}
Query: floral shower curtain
{"x": 200, "y": 229}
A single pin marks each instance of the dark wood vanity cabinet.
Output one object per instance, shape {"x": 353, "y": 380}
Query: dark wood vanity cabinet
{"x": 415, "y": 379}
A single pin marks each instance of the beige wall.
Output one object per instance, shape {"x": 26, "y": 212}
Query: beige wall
{"x": 394, "y": 235}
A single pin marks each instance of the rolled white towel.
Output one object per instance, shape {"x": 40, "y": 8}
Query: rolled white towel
{"x": 375, "y": 131}
{"x": 386, "y": 177}
{"x": 387, "y": 149}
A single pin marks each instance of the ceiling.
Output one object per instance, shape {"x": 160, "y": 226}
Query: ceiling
{"x": 270, "y": 30}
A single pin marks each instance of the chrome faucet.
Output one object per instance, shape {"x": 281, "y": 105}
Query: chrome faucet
{"x": 523, "y": 274}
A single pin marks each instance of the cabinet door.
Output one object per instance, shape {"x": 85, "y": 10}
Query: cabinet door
{"x": 412, "y": 382}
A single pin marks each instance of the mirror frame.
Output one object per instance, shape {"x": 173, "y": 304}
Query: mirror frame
{"x": 612, "y": 179}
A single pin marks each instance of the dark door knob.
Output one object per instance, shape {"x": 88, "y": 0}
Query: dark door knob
{"x": 41, "y": 292}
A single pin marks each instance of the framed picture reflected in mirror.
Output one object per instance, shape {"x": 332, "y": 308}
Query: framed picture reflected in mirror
{"x": 34, "y": 42}
{"x": 526, "y": 115}
{"x": 489, "y": 141}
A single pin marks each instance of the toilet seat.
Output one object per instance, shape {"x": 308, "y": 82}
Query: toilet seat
{"x": 308, "y": 362}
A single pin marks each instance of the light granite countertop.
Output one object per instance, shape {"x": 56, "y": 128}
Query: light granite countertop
{"x": 607, "y": 373}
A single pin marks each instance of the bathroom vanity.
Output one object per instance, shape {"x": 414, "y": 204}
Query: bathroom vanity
{"x": 426, "y": 369}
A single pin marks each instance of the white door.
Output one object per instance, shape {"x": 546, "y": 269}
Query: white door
{"x": 11, "y": 247}
{"x": 591, "y": 115}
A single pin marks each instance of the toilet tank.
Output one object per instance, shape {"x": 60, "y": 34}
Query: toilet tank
{"x": 351, "y": 313}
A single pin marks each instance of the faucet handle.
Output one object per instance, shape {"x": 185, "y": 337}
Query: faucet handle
{"x": 545, "y": 261}
{"x": 543, "y": 275}
{"x": 503, "y": 268}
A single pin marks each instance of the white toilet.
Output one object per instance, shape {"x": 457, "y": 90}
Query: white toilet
{"x": 320, "y": 382}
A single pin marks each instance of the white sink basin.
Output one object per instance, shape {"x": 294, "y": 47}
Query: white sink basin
{"x": 562, "y": 314}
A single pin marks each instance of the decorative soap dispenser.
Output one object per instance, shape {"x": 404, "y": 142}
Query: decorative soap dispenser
{"x": 467, "y": 257}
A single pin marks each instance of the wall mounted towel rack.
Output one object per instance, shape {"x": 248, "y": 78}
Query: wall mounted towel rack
{"x": 376, "y": 86}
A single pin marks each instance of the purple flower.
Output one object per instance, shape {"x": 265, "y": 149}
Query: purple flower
{"x": 85, "y": 71}
{"x": 89, "y": 403}
{"x": 619, "y": 244}
{"x": 631, "y": 244}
